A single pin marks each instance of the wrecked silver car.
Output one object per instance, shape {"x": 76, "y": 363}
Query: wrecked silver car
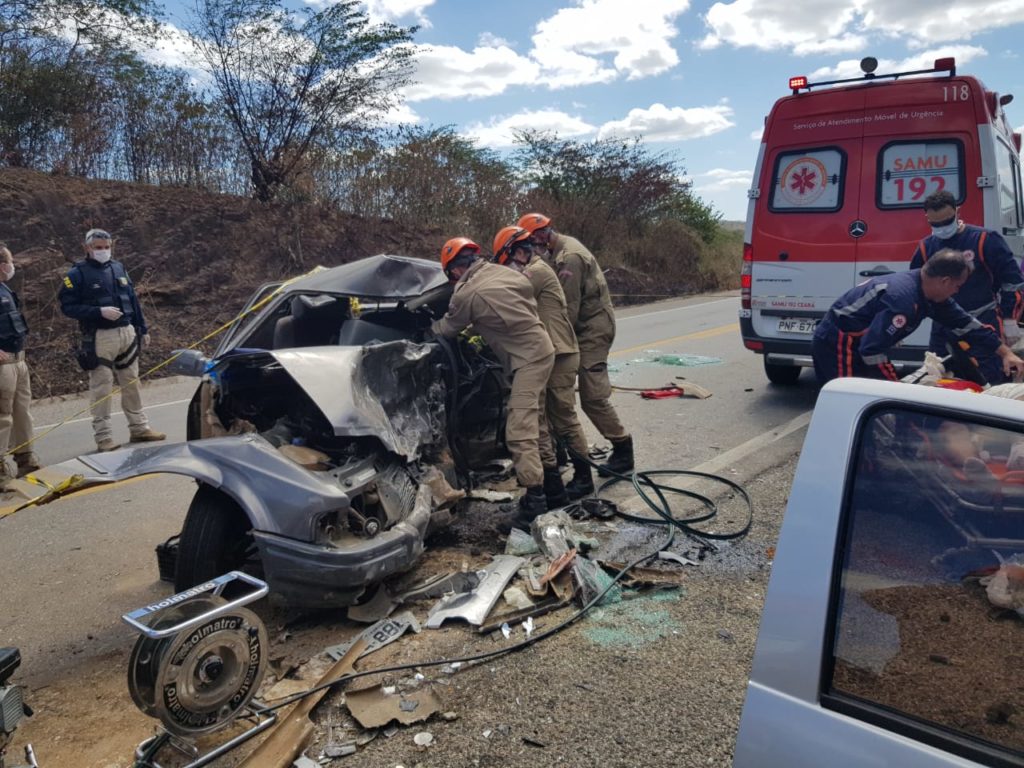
{"x": 325, "y": 439}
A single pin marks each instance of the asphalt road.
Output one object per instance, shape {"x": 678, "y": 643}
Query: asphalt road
{"x": 68, "y": 570}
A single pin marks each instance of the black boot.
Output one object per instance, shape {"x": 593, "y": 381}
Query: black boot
{"x": 561, "y": 455}
{"x": 582, "y": 483}
{"x": 554, "y": 488}
{"x": 621, "y": 461}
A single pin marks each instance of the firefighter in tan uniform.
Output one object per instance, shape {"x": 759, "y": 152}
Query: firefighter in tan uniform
{"x": 593, "y": 319}
{"x": 499, "y": 304}
{"x": 15, "y": 392}
{"x": 512, "y": 248}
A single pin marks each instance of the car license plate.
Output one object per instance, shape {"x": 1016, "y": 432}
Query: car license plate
{"x": 797, "y": 324}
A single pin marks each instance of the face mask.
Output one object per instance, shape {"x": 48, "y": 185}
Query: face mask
{"x": 6, "y": 272}
{"x": 101, "y": 256}
{"x": 946, "y": 231}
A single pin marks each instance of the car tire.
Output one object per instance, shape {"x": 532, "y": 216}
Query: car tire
{"x": 216, "y": 538}
{"x": 783, "y": 375}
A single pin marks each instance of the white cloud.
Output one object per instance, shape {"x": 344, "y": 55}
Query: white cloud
{"x": 401, "y": 114}
{"x": 447, "y": 72}
{"x": 722, "y": 180}
{"x": 758, "y": 134}
{"x": 924, "y": 60}
{"x": 845, "y": 26}
{"x": 573, "y": 45}
{"x": 490, "y": 40}
{"x": 498, "y": 132}
{"x": 392, "y": 10}
{"x": 661, "y": 123}
{"x": 820, "y": 26}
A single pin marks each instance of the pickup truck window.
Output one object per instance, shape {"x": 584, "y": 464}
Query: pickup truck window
{"x": 928, "y": 613}
{"x": 808, "y": 180}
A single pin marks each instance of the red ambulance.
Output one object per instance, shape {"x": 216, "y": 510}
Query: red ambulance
{"x": 841, "y": 175}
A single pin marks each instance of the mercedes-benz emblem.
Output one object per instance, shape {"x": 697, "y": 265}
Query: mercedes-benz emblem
{"x": 858, "y": 228}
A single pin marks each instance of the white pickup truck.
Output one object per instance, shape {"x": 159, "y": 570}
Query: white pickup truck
{"x": 893, "y": 629}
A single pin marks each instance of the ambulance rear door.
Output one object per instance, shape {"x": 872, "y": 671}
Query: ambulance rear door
{"x": 916, "y": 141}
{"x": 803, "y": 257}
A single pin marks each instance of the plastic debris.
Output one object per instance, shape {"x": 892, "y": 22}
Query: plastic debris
{"x": 340, "y": 750}
{"x": 520, "y": 543}
{"x": 517, "y": 598}
{"x": 305, "y": 762}
{"x": 676, "y": 558}
{"x": 423, "y": 739}
{"x": 528, "y": 627}
{"x": 372, "y": 708}
{"x": 506, "y": 630}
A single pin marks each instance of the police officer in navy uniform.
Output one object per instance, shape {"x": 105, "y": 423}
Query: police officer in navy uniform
{"x": 98, "y": 293}
{"x": 861, "y": 327}
{"x": 993, "y": 291}
{"x": 15, "y": 390}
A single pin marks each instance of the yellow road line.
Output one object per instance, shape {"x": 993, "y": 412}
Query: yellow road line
{"x": 705, "y": 334}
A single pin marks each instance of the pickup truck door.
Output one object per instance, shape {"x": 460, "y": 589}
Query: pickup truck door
{"x": 879, "y": 644}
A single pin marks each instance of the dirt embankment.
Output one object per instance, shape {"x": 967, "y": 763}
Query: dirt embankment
{"x": 195, "y": 257}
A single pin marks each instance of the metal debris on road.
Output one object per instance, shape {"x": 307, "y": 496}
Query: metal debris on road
{"x": 474, "y": 606}
{"x": 439, "y": 586}
{"x": 377, "y": 636}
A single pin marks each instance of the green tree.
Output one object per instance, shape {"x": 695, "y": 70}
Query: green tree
{"x": 290, "y": 80}
{"x": 609, "y": 186}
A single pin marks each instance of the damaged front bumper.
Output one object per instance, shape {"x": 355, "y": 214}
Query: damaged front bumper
{"x": 314, "y": 575}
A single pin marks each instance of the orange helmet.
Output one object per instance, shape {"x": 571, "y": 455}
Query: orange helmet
{"x": 531, "y": 222}
{"x": 505, "y": 239}
{"x": 453, "y": 248}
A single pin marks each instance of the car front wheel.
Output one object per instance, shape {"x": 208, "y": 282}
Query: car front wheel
{"x": 216, "y": 538}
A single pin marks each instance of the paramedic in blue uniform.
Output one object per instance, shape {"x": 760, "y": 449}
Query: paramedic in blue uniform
{"x": 993, "y": 291}
{"x": 98, "y": 293}
{"x": 855, "y": 336}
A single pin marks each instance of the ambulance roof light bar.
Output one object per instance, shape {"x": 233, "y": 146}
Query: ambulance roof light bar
{"x": 868, "y": 66}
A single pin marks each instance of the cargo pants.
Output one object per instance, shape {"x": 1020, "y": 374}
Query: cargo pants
{"x": 525, "y": 412}
{"x": 596, "y": 393}
{"x": 560, "y": 408}
{"x": 110, "y": 344}
{"x": 15, "y": 413}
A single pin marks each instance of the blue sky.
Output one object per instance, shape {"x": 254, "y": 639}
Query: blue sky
{"x": 694, "y": 78}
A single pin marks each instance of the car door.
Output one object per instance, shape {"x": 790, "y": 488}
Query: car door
{"x": 882, "y": 642}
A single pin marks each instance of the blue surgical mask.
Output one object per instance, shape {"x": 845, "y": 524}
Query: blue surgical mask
{"x": 947, "y": 230}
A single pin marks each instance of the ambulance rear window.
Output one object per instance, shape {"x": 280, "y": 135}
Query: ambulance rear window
{"x": 909, "y": 171}
{"x": 808, "y": 180}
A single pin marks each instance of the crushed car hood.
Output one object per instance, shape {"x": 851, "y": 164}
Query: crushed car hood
{"x": 387, "y": 391}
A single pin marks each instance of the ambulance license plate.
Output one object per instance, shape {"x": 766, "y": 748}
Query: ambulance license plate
{"x": 797, "y": 324}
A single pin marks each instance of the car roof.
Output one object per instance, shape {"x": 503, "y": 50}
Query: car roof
{"x": 377, "y": 277}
